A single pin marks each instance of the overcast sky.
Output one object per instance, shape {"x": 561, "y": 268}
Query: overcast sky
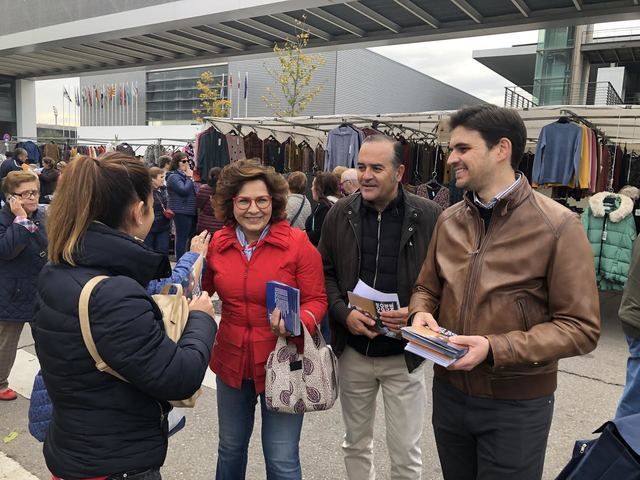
{"x": 449, "y": 61}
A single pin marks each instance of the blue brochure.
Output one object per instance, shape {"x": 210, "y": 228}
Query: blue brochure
{"x": 287, "y": 299}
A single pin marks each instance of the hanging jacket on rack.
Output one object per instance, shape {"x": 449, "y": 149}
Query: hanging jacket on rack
{"x": 611, "y": 232}
{"x": 212, "y": 152}
{"x": 253, "y": 147}
{"x": 274, "y": 155}
{"x": 558, "y": 153}
{"x": 51, "y": 150}
{"x": 152, "y": 154}
{"x": 235, "y": 144}
{"x": 343, "y": 144}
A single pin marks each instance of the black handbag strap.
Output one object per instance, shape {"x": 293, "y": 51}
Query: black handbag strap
{"x": 293, "y": 220}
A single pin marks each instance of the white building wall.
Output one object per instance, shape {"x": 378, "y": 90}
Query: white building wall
{"x": 368, "y": 83}
{"x": 260, "y": 80}
{"x": 26, "y": 108}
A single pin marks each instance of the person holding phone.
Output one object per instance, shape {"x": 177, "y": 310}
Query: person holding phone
{"x": 182, "y": 200}
{"x": 23, "y": 253}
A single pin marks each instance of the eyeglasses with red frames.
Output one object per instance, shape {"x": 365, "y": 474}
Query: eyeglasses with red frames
{"x": 244, "y": 203}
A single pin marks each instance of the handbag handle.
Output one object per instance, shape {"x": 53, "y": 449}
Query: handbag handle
{"x": 85, "y": 327}
{"x": 313, "y": 316}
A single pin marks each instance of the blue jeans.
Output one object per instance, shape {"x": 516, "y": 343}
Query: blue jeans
{"x": 185, "y": 230}
{"x": 280, "y": 435}
{"x": 159, "y": 241}
{"x": 630, "y": 401}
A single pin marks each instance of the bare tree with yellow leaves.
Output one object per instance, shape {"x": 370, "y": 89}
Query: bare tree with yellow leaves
{"x": 293, "y": 75}
{"x": 211, "y": 101}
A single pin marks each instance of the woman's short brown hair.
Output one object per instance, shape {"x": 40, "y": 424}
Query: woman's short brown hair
{"x": 16, "y": 178}
{"x": 175, "y": 160}
{"x": 326, "y": 185}
{"x": 297, "y": 182}
{"x": 233, "y": 178}
{"x": 155, "y": 171}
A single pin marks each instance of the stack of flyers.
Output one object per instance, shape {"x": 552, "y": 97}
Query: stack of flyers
{"x": 432, "y": 345}
{"x": 372, "y": 303}
{"x": 287, "y": 299}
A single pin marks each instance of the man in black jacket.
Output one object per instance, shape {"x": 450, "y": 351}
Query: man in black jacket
{"x": 380, "y": 236}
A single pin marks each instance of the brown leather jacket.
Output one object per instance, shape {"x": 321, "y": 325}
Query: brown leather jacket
{"x": 527, "y": 284}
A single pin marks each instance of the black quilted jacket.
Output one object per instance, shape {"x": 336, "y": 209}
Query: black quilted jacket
{"x": 101, "y": 425}
{"x": 22, "y": 256}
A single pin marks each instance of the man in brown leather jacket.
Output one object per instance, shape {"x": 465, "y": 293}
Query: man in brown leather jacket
{"x": 511, "y": 271}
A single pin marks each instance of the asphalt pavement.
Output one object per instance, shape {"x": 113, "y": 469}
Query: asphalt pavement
{"x": 588, "y": 391}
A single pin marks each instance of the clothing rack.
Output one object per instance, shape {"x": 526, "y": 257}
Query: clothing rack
{"x": 579, "y": 119}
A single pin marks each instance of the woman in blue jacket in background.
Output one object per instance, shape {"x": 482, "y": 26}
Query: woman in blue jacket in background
{"x": 23, "y": 253}
{"x": 182, "y": 200}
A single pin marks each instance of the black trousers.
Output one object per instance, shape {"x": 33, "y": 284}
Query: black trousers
{"x": 485, "y": 439}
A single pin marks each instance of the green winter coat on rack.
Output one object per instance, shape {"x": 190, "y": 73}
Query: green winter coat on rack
{"x": 611, "y": 230}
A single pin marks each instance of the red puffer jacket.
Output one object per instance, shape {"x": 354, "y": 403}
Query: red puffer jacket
{"x": 244, "y": 340}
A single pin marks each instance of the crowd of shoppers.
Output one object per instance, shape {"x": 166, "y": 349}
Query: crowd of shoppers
{"x": 516, "y": 314}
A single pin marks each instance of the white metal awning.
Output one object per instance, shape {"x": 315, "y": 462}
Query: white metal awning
{"x": 621, "y": 124}
{"x": 179, "y": 32}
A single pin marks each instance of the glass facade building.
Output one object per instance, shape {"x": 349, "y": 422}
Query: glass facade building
{"x": 172, "y": 95}
{"x": 7, "y": 106}
{"x": 552, "y": 80}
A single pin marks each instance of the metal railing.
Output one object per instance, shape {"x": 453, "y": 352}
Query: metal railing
{"x": 563, "y": 93}
{"x": 611, "y": 35}
{"x": 516, "y": 97}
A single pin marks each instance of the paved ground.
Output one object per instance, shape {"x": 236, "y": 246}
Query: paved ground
{"x": 589, "y": 388}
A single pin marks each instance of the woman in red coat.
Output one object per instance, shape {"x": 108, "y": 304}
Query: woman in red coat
{"x": 255, "y": 246}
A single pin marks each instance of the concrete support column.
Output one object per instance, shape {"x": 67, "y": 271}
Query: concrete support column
{"x": 26, "y": 108}
{"x": 578, "y": 90}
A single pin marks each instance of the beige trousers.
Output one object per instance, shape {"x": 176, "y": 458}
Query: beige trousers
{"x": 9, "y": 338}
{"x": 404, "y": 397}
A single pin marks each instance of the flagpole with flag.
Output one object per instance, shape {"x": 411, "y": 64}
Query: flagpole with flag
{"x": 65, "y": 96}
{"x": 239, "y": 94}
{"x": 77, "y": 109}
{"x": 63, "y": 111}
{"x": 135, "y": 94}
{"x": 222, "y": 87}
{"x": 230, "y": 95}
{"x": 246, "y": 94}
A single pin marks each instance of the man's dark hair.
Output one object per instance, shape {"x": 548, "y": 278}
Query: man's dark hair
{"x": 164, "y": 160}
{"x": 494, "y": 123}
{"x": 397, "y": 147}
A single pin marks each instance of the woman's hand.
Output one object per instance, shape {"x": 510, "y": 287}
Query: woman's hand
{"x": 202, "y": 303}
{"x": 277, "y": 324}
{"x": 16, "y": 206}
{"x": 200, "y": 243}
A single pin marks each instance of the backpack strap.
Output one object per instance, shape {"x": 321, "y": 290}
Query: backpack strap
{"x": 85, "y": 326}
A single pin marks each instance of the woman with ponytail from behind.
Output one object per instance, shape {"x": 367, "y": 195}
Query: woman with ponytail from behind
{"x": 104, "y": 428}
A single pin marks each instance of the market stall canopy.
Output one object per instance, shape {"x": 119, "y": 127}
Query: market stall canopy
{"x": 619, "y": 123}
